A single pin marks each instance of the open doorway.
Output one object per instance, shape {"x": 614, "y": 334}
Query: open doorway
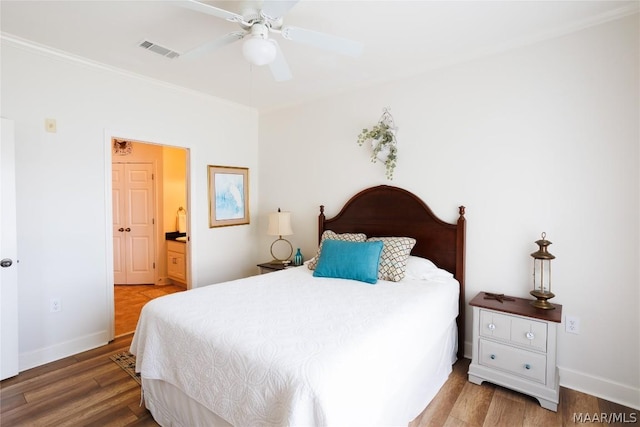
{"x": 150, "y": 226}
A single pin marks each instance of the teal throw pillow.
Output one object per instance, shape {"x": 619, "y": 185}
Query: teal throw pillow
{"x": 349, "y": 260}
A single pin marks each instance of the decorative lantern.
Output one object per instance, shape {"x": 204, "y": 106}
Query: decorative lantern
{"x": 542, "y": 275}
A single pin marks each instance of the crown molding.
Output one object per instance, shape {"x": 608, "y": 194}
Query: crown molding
{"x": 51, "y": 52}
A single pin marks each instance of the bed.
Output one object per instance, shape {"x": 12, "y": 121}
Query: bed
{"x": 295, "y": 348}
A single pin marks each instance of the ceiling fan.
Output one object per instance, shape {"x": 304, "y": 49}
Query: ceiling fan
{"x": 257, "y": 24}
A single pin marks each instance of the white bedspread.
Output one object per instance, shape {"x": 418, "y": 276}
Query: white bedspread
{"x": 286, "y": 348}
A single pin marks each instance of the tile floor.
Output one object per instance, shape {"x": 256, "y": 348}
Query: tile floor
{"x": 129, "y": 300}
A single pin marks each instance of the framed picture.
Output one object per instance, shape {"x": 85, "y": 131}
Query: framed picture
{"x": 228, "y": 196}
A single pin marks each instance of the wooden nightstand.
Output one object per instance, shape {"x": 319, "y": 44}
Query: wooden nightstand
{"x": 268, "y": 267}
{"x": 514, "y": 345}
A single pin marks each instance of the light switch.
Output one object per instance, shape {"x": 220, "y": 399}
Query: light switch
{"x": 50, "y": 125}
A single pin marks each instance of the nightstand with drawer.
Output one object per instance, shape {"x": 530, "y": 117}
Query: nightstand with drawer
{"x": 514, "y": 345}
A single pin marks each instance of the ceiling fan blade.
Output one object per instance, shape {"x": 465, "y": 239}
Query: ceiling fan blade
{"x": 323, "y": 41}
{"x": 275, "y": 9}
{"x": 279, "y": 67}
{"x": 210, "y": 10}
{"x": 214, "y": 44}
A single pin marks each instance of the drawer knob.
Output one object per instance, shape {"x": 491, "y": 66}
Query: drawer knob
{"x": 527, "y": 366}
{"x": 491, "y": 326}
{"x": 493, "y": 356}
{"x": 530, "y": 335}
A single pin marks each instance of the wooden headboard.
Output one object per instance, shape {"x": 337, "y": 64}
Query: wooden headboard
{"x": 386, "y": 211}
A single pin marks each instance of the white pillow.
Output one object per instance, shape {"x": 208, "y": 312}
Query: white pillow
{"x": 423, "y": 269}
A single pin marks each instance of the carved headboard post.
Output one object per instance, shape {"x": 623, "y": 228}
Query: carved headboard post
{"x": 321, "y": 219}
{"x": 460, "y": 264}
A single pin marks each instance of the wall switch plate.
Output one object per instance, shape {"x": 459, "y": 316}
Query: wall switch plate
{"x": 56, "y": 305}
{"x": 572, "y": 324}
{"x": 50, "y": 125}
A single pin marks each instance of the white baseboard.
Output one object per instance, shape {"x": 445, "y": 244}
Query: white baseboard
{"x": 55, "y": 352}
{"x": 468, "y": 350}
{"x": 600, "y": 387}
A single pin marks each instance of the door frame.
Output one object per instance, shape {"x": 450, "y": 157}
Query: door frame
{"x": 10, "y": 356}
{"x": 109, "y": 134}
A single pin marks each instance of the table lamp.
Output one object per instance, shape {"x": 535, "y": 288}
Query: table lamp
{"x": 280, "y": 225}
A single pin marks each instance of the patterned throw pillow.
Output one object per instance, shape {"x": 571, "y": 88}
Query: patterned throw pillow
{"x": 330, "y": 235}
{"x": 393, "y": 261}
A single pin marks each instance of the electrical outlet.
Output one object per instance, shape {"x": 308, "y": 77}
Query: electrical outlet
{"x": 56, "y": 305}
{"x": 572, "y": 324}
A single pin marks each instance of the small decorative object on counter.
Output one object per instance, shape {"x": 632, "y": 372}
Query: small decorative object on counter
{"x": 298, "y": 258}
{"x": 498, "y": 297}
{"x": 181, "y": 220}
{"x": 542, "y": 275}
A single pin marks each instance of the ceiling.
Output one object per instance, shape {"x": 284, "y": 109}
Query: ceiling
{"x": 401, "y": 38}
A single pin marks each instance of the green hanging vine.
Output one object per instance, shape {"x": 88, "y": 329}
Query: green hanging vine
{"x": 382, "y": 138}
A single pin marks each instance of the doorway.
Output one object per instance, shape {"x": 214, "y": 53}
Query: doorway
{"x": 149, "y": 184}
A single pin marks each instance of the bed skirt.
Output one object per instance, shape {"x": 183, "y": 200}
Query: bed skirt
{"x": 170, "y": 407}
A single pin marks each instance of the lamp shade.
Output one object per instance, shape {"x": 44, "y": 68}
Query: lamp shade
{"x": 259, "y": 51}
{"x": 279, "y": 224}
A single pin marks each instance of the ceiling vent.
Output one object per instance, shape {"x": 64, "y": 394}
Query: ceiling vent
{"x": 160, "y": 50}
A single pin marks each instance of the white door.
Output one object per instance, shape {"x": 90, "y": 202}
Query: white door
{"x": 118, "y": 188}
{"x": 8, "y": 255}
{"x": 133, "y": 223}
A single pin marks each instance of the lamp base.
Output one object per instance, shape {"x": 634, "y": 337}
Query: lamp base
{"x": 541, "y": 300}
{"x": 277, "y": 260}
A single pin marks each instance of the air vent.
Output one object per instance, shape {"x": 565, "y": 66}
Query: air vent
{"x": 160, "y": 50}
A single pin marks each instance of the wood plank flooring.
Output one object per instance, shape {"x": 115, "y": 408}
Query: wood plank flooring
{"x": 461, "y": 403}
{"x": 88, "y": 389}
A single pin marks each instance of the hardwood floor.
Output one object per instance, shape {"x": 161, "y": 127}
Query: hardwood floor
{"x": 461, "y": 403}
{"x": 88, "y": 389}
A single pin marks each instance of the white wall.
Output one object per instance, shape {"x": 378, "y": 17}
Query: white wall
{"x": 174, "y": 185}
{"x": 540, "y": 138}
{"x": 63, "y": 196}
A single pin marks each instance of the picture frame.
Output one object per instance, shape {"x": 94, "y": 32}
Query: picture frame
{"x": 228, "y": 195}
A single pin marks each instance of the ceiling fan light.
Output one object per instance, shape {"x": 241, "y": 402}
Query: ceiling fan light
{"x": 259, "y": 51}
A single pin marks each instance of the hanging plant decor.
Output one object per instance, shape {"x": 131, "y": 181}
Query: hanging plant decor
{"x": 382, "y": 138}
